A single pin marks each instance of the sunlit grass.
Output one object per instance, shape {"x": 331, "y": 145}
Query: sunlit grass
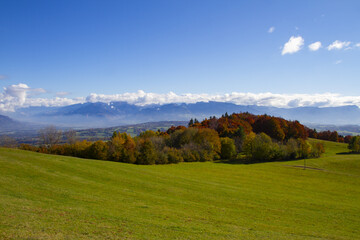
{"x": 56, "y": 197}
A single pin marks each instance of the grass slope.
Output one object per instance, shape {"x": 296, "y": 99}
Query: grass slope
{"x": 56, "y": 197}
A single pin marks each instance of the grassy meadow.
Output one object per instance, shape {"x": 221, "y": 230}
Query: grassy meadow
{"x": 56, "y": 197}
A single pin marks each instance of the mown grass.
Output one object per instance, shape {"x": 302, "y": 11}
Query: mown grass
{"x": 56, "y": 197}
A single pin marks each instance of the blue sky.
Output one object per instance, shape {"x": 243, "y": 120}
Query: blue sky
{"x": 74, "y": 48}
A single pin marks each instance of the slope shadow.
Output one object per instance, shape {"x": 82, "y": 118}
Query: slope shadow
{"x": 245, "y": 161}
{"x": 347, "y": 153}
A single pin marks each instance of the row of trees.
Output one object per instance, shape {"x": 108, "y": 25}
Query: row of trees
{"x": 243, "y": 136}
{"x": 150, "y": 147}
{"x": 328, "y": 136}
{"x": 277, "y": 128}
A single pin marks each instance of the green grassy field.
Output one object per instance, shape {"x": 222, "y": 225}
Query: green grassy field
{"x": 56, "y": 197}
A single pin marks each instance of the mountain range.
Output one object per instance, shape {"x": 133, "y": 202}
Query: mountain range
{"x": 98, "y": 114}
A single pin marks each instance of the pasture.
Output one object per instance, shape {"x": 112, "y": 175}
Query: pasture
{"x": 56, "y": 197}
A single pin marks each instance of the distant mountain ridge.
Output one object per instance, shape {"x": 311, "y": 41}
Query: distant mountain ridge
{"x": 7, "y": 122}
{"x": 120, "y": 113}
{"x": 9, "y": 125}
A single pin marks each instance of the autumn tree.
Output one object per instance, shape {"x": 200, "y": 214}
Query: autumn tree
{"x": 122, "y": 148}
{"x": 98, "y": 150}
{"x": 270, "y": 126}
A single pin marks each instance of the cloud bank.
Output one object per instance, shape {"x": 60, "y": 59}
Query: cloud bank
{"x": 142, "y": 98}
{"x": 18, "y": 96}
{"x": 21, "y": 95}
{"x": 293, "y": 45}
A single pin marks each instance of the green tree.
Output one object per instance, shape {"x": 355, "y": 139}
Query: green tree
{"x": 174, "y": 155}
{"x": 147, "y": 153}
{"x": 99, "y": 150}
{"x": 354, "y": 144}
{"x": 227, "y": 148}
{"x": 191, "y": 122}
{"x": 317, "y": 149}
{"x": 260, "y": 148}
{"x": 304, "y": 148}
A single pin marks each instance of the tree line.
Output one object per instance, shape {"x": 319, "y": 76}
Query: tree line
{"x": 328, "y": 136}
{"x": 243, "y": 136}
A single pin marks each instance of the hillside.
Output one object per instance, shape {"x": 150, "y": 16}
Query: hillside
{"x": 56, "y": 197}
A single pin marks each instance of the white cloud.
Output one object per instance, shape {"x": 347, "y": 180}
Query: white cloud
{"x": 17, "y": 92}
{"x": 293, "y": 45}
{"x": 315, "y": 46}
{"x": 271, "y": 30}
{"x": 338, "y": 45}
{"x": 142, "y": 98}
{"x": 357, "y": 45}
{"x": 16, "y": 96}
{"x": 338, "y": 62}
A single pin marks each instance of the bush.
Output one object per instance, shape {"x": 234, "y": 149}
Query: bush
{"x": 28, "y": 147}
